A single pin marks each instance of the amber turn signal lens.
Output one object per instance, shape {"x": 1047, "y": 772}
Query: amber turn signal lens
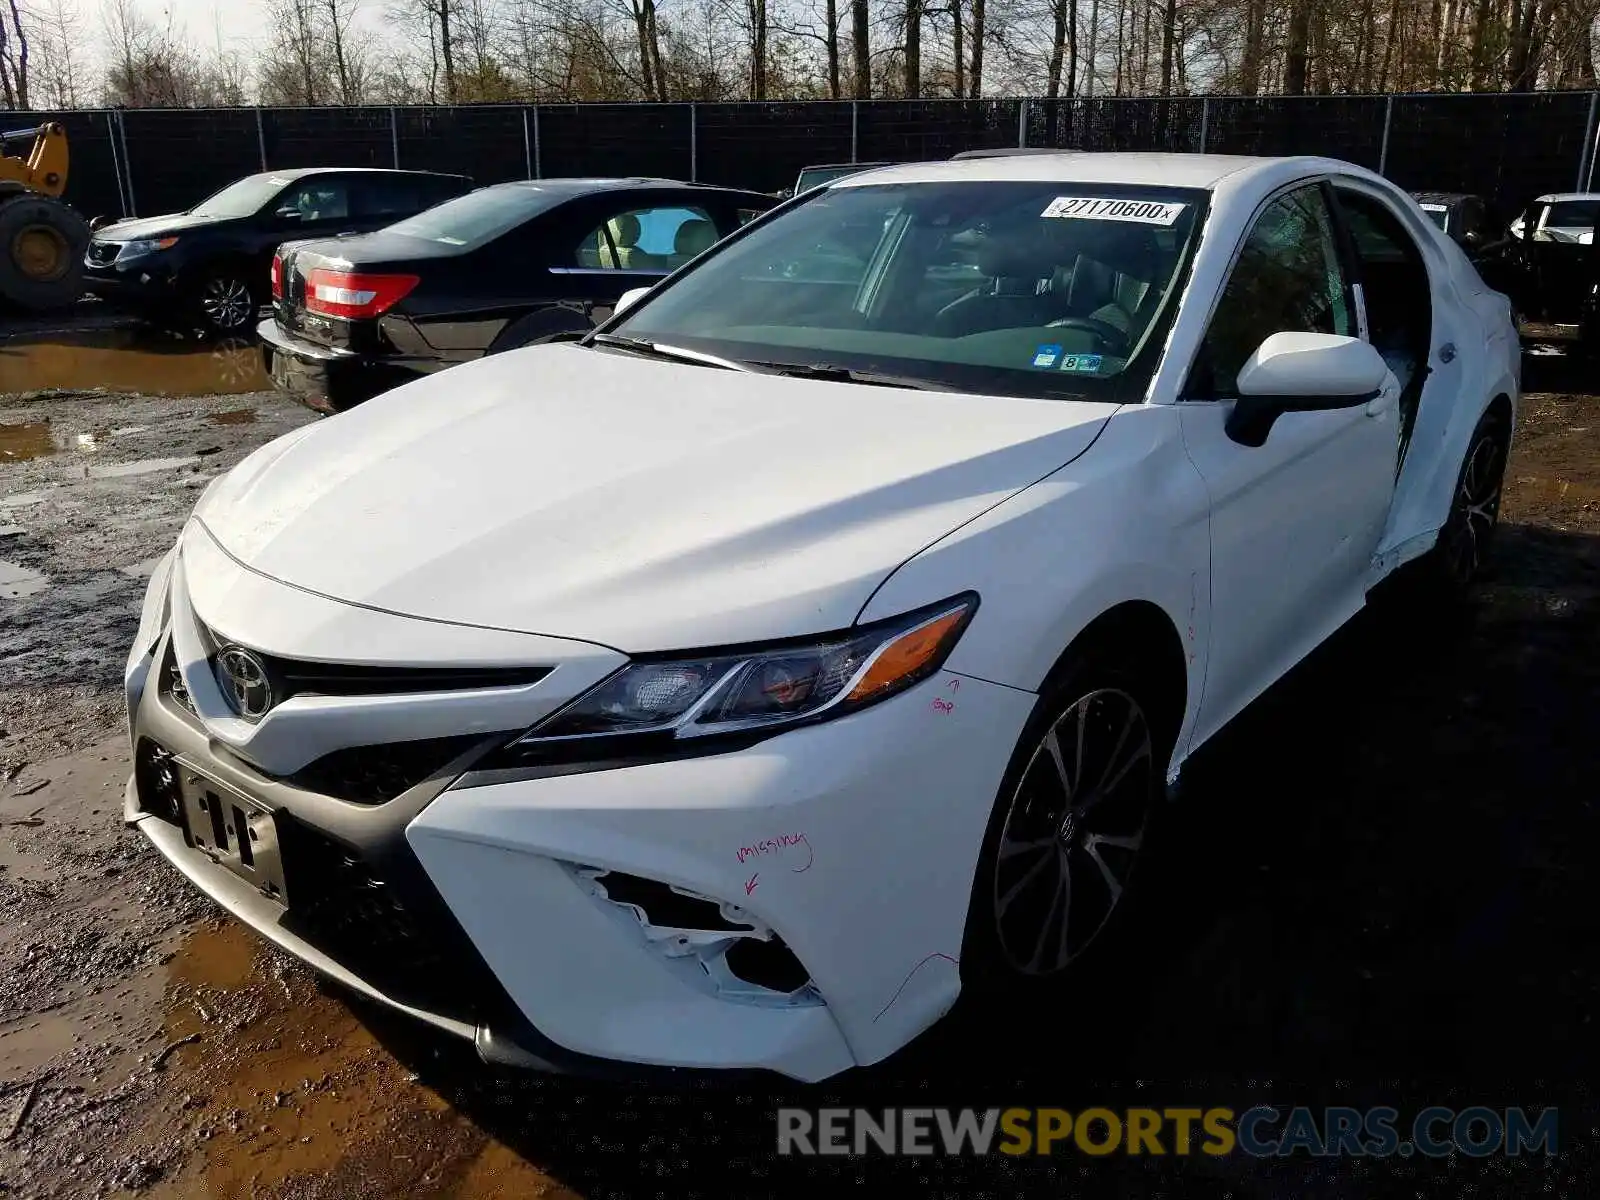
{"x": 908, "y": 653}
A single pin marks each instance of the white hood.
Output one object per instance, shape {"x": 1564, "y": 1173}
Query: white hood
{"x": 640, "y": 504}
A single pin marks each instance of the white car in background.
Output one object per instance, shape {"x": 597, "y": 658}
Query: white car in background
{"x": 1561, "y": 217}
{"x": 813, "y": 644}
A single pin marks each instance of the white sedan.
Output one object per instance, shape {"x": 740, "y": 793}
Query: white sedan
{"x": 740, "y": 685}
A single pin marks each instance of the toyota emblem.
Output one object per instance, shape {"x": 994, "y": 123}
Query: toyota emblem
{"x": 244, "y": 682}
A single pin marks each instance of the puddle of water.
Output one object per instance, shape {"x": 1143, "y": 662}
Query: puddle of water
{"x": 128, "y": 360}
{"x": 92, "y": 442}
{"x": 23, "y": 499}
{"x": 17, "y": 581}
{"x": 144, "y": 466}
{"x": 30, "y": 1043}
{"x": 291, "y": 1087}
{"x": 29, "y": 440}
{"x": 142, "y": 570}
{"x": 234, "y": 416}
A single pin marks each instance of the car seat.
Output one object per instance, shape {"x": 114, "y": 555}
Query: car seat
{"x": 1011, "y": 299}
{"x": 1115, "y": 279}
{"x": 694, "y": 237}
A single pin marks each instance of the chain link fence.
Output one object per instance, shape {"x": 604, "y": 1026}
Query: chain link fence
{"x": 1506, "y": 148}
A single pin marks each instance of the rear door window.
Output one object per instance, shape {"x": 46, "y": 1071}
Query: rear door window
{"x": 387, "y": 196}
{"x": 660, "y": 238}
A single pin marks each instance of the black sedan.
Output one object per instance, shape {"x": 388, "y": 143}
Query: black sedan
{"x": 498, "y": 268}
{"x": 1465, "y": 218}
{"x": 208, "y": 266}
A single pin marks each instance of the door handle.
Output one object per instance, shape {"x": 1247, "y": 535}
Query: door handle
{"x": 1447, "y": 352}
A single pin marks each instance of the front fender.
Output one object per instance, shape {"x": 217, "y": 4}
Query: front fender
{"x": 1128, "y": 520}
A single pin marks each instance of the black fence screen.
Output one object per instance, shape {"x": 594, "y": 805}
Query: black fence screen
{"x": 1506, "y": 148}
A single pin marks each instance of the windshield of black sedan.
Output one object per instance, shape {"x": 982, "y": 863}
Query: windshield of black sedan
{"x": 1023, "y": 288}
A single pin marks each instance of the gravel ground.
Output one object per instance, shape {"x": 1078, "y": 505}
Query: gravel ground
{"x": 1377, "y": 889}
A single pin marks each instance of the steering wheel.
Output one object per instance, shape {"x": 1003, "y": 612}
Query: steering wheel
{"x": 1116, "y": 342}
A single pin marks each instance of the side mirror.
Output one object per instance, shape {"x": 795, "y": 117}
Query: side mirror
{"x": 1302, "y": 372}
{"x": 628, "y": 299}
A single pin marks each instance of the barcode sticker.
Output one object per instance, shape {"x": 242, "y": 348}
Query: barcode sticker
{"x": 1091, "y": 208}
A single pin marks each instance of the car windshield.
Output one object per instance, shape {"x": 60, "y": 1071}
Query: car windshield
{"x": 479, "y": 217}
{"x": 1031, "y": 289}
{"x": 242, "y": 198}
{"x": 1572, "y": 214}
{"x": 1438, "y": 214}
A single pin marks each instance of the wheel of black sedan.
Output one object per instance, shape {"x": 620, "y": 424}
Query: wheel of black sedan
{"x": 225, "y": 304}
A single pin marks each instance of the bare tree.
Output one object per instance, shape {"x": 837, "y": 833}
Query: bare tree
{"x": 58, "y": 36}
{"x": 861, "y": 47}
{"x": 14, "y": 55}
{"x": 348, "y": 47}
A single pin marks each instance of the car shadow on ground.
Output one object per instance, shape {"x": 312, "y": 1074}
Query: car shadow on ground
{"x": 1374, "y": 888}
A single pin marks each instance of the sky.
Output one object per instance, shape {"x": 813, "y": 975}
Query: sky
{"x": 243, "y": 24}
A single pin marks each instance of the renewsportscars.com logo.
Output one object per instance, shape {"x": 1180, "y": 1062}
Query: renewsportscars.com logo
{"x": 1262, "y": 1132}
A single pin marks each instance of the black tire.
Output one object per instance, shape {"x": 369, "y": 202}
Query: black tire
{"x": 1461, "y": 555}
{"x": 1129, "y": 726}
{"x": 42, "y": 244}
{"x": 224, "y": 304}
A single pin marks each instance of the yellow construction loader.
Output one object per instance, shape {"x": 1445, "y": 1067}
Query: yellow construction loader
{"x": 42, "y": 239}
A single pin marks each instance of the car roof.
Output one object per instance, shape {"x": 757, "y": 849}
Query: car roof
{"x": 294, "y": 173}
{"x": 1558, "y": 197}
{"x": 1078, "y": 166}
{"x": 591, "y": 185}
{"x": 841, "y": 166}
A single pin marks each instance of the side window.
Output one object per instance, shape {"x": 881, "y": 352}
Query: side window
{"x": 379, "y": 197}
{"x": 648, "y": 239}
{"x": 318, "y": 199}
{"x": 1288, "y": 279}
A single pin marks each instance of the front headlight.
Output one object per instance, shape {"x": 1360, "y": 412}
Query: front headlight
{"x": 143, "y": 246}
{"x": 663, "y": 701}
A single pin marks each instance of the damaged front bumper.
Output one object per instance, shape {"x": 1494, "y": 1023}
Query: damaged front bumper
{"x": 793, "y": 907}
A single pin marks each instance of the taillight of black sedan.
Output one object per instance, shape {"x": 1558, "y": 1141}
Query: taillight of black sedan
{"x": 498, "y": 268}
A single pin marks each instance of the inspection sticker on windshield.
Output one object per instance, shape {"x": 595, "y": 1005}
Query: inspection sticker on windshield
{"x": 1090, "y": 208}
{"x": 1045, "y": 356}
{"x": 1083, "y": 364}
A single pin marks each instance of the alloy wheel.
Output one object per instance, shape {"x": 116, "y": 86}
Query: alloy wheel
{"x": 1074, "y": 829}
{"x": 1475, "y": 507}
{"x": 226, "y": 303}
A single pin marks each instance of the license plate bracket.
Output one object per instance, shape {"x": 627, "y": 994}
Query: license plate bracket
{"x": 233, "y": 830}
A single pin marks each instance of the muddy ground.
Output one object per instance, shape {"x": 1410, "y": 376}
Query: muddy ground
{"x": 1378, "y": 887}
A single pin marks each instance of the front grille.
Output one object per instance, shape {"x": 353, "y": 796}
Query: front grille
{"x": 377, "y": 774}
{"x": 295, "y": 677}
{"x": 395, "y": 934}
{"x": 103, "y": 254}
